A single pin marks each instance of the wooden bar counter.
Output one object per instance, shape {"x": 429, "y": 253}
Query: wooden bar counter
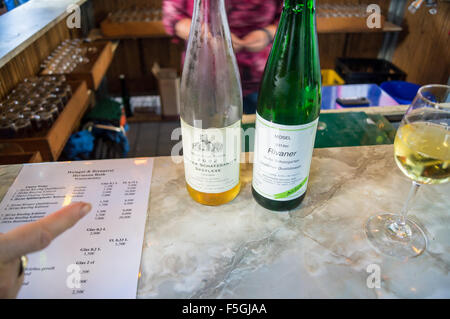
{"x": 319, "y": 250}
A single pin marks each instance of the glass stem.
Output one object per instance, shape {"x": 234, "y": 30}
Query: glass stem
{"x": 401, "y": 222}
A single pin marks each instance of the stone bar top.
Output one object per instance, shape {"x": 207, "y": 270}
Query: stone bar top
{"x": 26, "y": 23}
{"x": 319, "y": 250}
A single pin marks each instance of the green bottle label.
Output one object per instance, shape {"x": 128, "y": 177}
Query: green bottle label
{"x": 282, "y": 158}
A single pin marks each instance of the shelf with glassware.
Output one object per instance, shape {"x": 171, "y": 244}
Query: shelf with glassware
{"x": 356, "y": 18}
{"x": 135, "y": 23}
{"x": 44, "y": 123}
{"x": 81, "y": 61}
{"x": 110, "y": 30}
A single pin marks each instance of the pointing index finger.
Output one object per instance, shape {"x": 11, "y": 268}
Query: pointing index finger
{"x": 37, "y": 235}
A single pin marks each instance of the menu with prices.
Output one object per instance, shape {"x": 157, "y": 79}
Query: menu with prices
{"x": 100, "y": 256}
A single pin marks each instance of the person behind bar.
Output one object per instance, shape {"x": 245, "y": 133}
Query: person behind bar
{"x": 29, "y": 238}
{"x": 253, "y": 25}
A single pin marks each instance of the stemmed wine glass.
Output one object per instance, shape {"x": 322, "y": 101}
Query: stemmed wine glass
{"x": 422, "y": 152}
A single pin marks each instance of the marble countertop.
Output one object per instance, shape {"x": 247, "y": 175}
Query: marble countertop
{"x": 24, "y": 24}
{"x": 241, "y": 250}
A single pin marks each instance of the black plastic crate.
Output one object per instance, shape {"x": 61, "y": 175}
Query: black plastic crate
{"x": 356, "y": 70}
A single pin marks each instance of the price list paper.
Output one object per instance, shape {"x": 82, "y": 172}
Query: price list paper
{"x": 100, "y": 256}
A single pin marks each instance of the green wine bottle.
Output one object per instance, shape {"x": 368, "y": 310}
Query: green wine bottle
{"x": 288, "y": 110}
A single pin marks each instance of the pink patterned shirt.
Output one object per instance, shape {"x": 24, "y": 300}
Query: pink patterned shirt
{"x": 244, "y": 16}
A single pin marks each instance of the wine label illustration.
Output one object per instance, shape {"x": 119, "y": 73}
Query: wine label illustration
{"x": 211, "y": 157}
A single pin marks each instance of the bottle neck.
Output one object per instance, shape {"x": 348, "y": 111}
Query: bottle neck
{"x": 290, "y": 89}
{"x": 209, "y": 7}
{"x": 209, "y": 17}
{"x": 300, "y": 5}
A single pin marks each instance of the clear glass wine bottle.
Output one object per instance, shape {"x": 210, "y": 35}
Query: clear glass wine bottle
{"x": 211, "y": 107}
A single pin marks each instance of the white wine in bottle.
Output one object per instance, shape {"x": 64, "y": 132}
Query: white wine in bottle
{"x": 288, "y": 110}
{"x": 211, "y": 107}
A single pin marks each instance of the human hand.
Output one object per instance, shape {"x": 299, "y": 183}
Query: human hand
{"x": 237, "y": 43}
{"x": 32, "y": 237}
{"x": 256, "y": 41}
{"x": 182, "y": 28}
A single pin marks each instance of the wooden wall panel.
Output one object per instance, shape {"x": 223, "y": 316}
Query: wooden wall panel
{"x": 154, "y": 53}
{"x": 423, "y": 51}
{"x": 135, "y": 57}
{"x": 127, "y": 59}
{"x": 363, "y": 45}
{"x": 356, "y": 45}
{"x": 330, "y": 47}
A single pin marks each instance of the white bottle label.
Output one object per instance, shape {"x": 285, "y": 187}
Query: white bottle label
{"x": 211, "y": 157}
{"x": 282, "y": 158}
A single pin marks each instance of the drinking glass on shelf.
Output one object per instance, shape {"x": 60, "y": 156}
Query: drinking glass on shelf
{"x": 422, "y": 152}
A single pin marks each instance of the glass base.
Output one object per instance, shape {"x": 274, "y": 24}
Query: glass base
{"x": 393, "y": 240}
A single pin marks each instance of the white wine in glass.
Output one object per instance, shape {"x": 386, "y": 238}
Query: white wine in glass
{"x": 422, "y": 152}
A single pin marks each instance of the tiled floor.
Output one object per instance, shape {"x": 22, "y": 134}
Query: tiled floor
{"x": 153, "y": 139}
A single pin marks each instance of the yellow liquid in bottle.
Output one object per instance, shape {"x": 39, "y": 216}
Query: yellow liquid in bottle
{"x": 212, "y": 199}
{"x": 422, "y": 152}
